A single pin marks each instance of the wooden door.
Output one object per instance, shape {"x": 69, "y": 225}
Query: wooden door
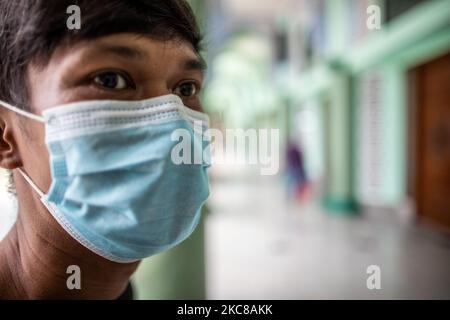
{"x": 432, "y": 90}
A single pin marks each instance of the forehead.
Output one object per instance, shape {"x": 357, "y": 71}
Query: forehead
{"x": 128, "y": 46}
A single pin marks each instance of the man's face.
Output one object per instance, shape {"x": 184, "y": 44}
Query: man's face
{"x": 116, "y": 67}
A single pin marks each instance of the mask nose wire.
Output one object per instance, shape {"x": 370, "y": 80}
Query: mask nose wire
{"x": 22, "y": 112}
{"x": 31, "y": 183}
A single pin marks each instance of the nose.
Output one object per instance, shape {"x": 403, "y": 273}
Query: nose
{"x": 155, "y": 89}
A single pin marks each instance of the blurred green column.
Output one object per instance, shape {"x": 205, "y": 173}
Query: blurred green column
{"x": 176, "y": 274}
{"x": 339, "y": 194}
{"x": 340, "y": 170}
{"x": 200, "y": 9}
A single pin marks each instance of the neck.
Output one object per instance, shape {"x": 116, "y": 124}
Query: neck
{"x": 37, "y": 252}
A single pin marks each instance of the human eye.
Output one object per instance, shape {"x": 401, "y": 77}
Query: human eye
{"x": 187, "y": 89}
{"x": 113, "y": 80}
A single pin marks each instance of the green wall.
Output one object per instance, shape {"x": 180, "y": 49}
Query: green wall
{"x": 418, "y": 35}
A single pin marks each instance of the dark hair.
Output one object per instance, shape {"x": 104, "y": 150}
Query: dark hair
{"x": 30, "y": 30}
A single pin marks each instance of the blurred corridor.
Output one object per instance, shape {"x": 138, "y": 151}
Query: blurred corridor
{"x": 260, "y": 246}
{"x": 364, "y": 119}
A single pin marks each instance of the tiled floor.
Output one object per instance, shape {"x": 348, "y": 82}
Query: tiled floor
{"x": 260, "y": 246}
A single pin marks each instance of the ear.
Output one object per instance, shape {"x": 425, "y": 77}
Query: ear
{"x": 9, "y": 153}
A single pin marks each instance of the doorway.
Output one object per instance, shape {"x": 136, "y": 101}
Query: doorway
{"x": 430, "y": 145}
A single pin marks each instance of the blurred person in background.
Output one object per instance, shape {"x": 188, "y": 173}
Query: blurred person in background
{"x": 296, "y": 177}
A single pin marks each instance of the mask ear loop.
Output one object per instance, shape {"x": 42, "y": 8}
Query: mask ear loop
{"x": 22, "y": 112}
{"x": 31, "y": 183}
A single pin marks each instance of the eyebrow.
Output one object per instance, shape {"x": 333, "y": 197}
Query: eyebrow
{"x": 123, "y": 51}
{"x": 191, "y": 64}
{"x": 198, "y": 64}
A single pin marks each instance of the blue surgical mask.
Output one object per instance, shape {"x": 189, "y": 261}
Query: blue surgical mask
{"x": 115, "y": 187}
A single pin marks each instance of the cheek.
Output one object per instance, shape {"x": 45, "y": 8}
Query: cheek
{"x": 43, "y": 90}
{"x": 34, "y": 153}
